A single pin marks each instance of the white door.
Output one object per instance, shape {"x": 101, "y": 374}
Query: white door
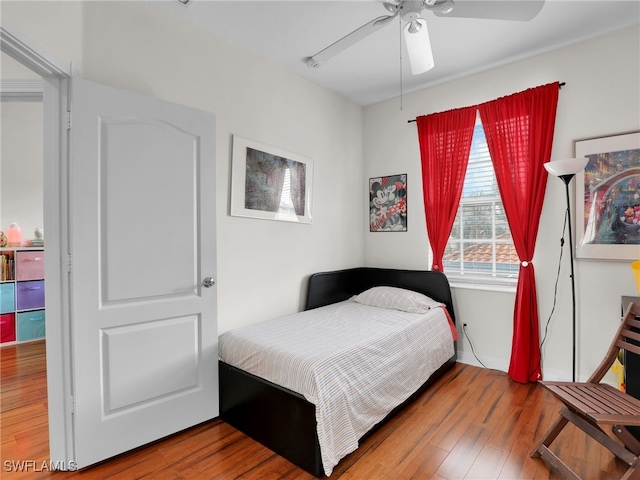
{"x": 142, "y": 240}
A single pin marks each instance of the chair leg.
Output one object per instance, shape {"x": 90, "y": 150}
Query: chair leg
{"x": 632, "y": 474}
{"x": 629, "y": 440}
{"x": 595, "y": 432}
{"x": 542, "y": 450}
{"x": 551, "y": 435}
{"x": 628, "y": 455}
{"x": 553, "y": 461}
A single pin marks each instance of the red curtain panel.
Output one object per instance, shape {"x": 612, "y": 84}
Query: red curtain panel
{"x": 445, "y": 143}
{"x": 519, "y": 130}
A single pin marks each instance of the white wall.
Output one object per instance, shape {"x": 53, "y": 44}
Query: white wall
{"x": 21, "y": 163}
{"x": 20, "y": 156}
{"x": 262, "y": 265}
{"x": 601, "y": 97}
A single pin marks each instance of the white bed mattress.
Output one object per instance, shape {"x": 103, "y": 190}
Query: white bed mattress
{"x": 354, "y": 362}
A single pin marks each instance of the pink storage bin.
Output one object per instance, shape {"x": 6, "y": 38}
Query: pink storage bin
{"x": 29, "y": 265}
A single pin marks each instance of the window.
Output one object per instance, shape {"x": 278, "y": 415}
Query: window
{"x": 286, "y": 210}
{"x": 480, "y": 244}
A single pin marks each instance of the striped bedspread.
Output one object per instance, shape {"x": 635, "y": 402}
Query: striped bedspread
{"x": 354, "y": 362}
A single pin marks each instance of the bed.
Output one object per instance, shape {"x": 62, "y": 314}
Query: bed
{"x": 290, "y": 421}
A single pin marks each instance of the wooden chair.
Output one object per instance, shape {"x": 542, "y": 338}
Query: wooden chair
{"x": 592, "y": 405}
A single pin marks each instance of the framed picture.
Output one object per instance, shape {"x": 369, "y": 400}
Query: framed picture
{"x": 388, "y": 204}
{"x": 270, "y": 183}
{"x": 608, "y": 198}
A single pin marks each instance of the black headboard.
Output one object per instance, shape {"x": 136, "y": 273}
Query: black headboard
{"x": 330, "y": 287}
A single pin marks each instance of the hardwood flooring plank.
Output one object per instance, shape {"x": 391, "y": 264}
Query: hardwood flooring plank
{"x": 488, "y": 464}
{"x": 273, "y": 468}
{"x": 395, "y": 448}
{"x": 472, "y": 423}
{"x": 518, "y": 464}
{"x": 370, "y": 471}
{"x": 422, "y": 462}
{"x": 464, "y": 454}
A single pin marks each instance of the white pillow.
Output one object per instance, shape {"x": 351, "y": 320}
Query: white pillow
{"x": 397, "y": 299}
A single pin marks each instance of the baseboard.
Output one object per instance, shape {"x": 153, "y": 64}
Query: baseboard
{"x": 503, "y": 366}
{"x": 487, "y": 362}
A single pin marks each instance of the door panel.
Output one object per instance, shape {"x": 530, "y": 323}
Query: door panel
{"x": 133, "y": 270}
{"x": 142, "y": 211}
{"x": 169, "y": 366}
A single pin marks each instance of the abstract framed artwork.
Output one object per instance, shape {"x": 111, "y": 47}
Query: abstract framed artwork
{"x": 388, "y": 203}
{"x": 608, "y": 198}
{"x": 270, "y": 183}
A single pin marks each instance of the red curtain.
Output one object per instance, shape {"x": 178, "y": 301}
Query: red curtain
{"x": 519, "y": 131}
{"x": 445, "y": 143}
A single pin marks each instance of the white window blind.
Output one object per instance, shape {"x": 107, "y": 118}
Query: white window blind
{"x": 480, "y": 245}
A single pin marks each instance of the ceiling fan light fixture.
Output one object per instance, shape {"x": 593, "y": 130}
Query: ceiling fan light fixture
{"x": 414, "y": 27}
{"x": 391, "y": 6}
{"x": 443, "y": 7}
{"x": 418, "y": 46}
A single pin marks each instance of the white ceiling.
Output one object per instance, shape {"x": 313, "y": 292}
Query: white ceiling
{"x": 288, "y": 31}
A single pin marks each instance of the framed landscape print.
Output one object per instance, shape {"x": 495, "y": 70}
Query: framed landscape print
{"x": 388, "y": 203}
{"x": 608, "y": 198}
{"x": 270, "y": 183}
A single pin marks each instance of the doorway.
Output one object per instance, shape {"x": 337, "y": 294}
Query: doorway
{"x": 21, "y": 200}
{"x": 51, "y": 77}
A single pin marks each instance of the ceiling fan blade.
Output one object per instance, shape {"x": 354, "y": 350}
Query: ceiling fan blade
{"x": 348, "y": 40}
{"x": 519, "y": 10}
{"x": 418, "y": 46}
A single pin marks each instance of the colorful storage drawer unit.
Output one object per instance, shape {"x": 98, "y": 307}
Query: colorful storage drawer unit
{"x": 7, "y": 328}
{"x": 29, "y": 265}
{"x": 7, "y": 297}
{"x": 30, "y": 295}
{"x": 31, "y": 325}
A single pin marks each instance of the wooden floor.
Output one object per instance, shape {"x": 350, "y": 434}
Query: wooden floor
{"x": 473, "y": 424}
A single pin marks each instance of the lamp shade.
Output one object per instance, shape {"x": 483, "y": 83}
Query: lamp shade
{"x": 418, "y": 46}
{"x": 568, "y": 166}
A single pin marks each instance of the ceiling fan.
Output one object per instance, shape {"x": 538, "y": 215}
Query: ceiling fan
{"x": 415, "y": 31}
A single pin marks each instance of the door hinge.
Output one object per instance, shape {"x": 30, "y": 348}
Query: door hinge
{"x": 68, "y": 119}
{"x": 68, "y": 266}
{"x": 73, "y": 404}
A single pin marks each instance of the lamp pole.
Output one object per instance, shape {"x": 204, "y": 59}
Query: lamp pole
{"x": 565, "y": 170}
{"x": 566, "y": 179}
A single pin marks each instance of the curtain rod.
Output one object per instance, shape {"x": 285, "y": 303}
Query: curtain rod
{"x": 560, "y": 85}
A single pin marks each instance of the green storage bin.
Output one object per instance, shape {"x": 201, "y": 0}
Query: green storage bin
{"x": 31, "y": 325}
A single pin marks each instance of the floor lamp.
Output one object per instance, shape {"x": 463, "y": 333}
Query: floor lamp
{"x": 566, "y": 170}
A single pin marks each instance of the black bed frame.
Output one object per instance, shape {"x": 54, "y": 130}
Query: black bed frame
{"x": 283, "y": 420}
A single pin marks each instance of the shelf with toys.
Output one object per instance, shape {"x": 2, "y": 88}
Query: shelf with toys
{"x": 22, "y": 313}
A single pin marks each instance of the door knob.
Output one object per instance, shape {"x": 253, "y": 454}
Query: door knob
{"x": 208, "y": 282}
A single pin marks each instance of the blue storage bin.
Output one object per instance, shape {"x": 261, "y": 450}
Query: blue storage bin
{"x": 31, "y": 325}
{"x": 7, "y": 297}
